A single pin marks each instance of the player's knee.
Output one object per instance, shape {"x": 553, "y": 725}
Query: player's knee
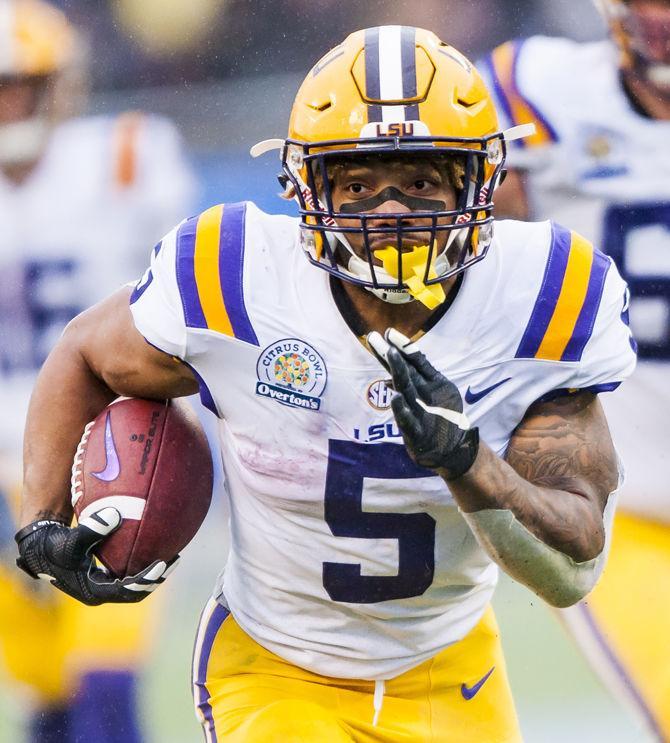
{"x": 293, "y": 721}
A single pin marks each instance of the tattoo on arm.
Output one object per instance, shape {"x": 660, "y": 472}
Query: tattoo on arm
{"x": 48, "y": 515}
{"x": 565, "y": 444}
{"x": 562, "y": 467}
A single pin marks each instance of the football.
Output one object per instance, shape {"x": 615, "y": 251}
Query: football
{"x": 151, "y": 461}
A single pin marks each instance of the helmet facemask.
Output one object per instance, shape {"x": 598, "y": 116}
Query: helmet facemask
{"x": 443, "y": 241}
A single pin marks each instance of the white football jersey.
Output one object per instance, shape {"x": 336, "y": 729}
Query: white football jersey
{"x": 346, "y": 558}
{"x": 76, "y": 230}
{"x": 602, "y": 167}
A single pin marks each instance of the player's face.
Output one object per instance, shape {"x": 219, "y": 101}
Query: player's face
{"x": 392, "y": 187}
{"x": 648, "y": 23}
{"x": 19, "y": 98}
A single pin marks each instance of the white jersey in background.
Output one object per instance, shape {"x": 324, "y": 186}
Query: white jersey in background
{"x": 75, "y": 231}
{"x": 601, "y": 166}
{"x": 347, "y": 559}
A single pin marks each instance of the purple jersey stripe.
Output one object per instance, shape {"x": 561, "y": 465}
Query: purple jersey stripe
{"x": 206, "y": 397}
{"x": 540, "y": 119}
{"x": 545, "y": 304}
{"x": 216, "y": 619}
{"x": 596, "y": 389}
{"x": 621, "y": 672}
{"x": 231, "y": 270}
{"x": 188, "y": 289}
{"x": 587, "y": 315}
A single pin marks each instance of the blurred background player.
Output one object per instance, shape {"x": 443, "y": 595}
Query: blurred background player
{"x": 600, "y": 162}
{"x": 79, "y": 199}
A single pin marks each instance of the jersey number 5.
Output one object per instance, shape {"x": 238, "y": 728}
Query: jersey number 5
{"x": 349, "y": 462}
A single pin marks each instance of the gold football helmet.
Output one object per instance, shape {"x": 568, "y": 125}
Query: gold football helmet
{"x": 393, "y": 91}
{"x": 41, "y": 50}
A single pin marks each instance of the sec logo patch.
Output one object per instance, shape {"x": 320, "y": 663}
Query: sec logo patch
{"x": 379, "y": 395}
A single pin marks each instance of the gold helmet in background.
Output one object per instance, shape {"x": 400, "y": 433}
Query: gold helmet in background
{"x": 393, "y": 91}
{"x": 40, "y": 52}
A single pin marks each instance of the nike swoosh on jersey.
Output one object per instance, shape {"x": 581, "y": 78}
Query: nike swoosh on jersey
{"x": 112, "y": 466}
{"x": 469, "y": 692}
{"x": 471, "y": 397}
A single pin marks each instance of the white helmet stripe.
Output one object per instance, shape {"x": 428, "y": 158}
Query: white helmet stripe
{"x": 390, "y": 72}
{"x": 7, "y": 39}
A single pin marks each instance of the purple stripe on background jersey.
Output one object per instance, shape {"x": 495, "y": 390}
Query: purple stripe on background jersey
{"x": 539, "y": 118}
{"x": 587, "y": 315}
{"x": 188, "y": 289}
{"x": 618, "y": 668}
{"x": 499, "y": 93}
{"x": 408, "y": 62}
{"x": 372, "y": 79}
{"x": 545, "y": 304}
{"x": 216, "y": 619}
{"x": 231, "y": 270}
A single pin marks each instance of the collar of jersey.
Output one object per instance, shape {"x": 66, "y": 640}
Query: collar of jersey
{"x": 353, "y": 319}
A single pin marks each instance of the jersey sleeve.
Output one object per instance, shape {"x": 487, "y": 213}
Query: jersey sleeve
{"x": 155, "y": 302}
{"x": 610, "y": 353}
{"x": 194, "y": 290}
{"x": 578, "y": 325}
{"x": 504, "y": 72}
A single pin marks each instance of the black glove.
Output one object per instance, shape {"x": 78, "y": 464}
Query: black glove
{"x": 55, "y": 552}
{"x": 428, "y": 408}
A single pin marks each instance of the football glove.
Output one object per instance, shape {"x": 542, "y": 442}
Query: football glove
{"x": 428, "y": 408}
{"x": 54, "y": 552}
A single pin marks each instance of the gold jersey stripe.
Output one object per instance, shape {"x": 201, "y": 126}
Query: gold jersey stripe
{"x": 570, "y": 300}
{"x": 206, "y": 270}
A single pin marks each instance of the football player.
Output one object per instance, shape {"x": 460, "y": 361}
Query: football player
{"x": 598, "y": 161}
{"x": 367, "y": 523}
{"x": 79, "y": 200}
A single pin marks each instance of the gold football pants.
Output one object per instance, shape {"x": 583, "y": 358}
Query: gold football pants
{"x": 244, "y": 693}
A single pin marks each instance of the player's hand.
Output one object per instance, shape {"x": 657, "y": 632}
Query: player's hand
{"x": 61, "y": 555}
{"x": 428, "y": 408}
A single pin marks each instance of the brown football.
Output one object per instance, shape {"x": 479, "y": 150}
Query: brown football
{"x": 151, "y": 461}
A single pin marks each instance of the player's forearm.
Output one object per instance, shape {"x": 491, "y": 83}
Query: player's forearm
{"x": 66, "y": 397}
{"x": 566, "y": 518}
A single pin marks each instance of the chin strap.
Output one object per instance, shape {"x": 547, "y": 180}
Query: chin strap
{"x": 360, "y": 269}
{"x": 414, "y": 266}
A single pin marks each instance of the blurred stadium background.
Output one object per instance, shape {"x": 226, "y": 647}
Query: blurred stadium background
{"x": 226, "y": 72}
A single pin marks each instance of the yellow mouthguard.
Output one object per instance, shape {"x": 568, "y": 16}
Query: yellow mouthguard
{"x": 413, "y": 271}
